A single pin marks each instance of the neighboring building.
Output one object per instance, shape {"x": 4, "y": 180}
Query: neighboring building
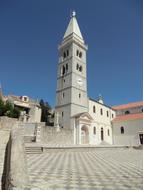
{"x": 91, "y": 121}
{"x": 128, "y": 124}
{"x": 30, "y": 109}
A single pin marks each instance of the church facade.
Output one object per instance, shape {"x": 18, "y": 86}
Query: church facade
{"x": 91, "y": 121}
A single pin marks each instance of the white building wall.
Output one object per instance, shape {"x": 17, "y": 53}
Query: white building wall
{"x": 132, "y": 128}
{"x": 64, "y": 116}
{"x": 97, "y": 115}
{"x": 101, "y": 121}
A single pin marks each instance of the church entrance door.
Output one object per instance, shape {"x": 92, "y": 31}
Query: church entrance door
{"x": 141, "y": 138}
{"x": 84, "y": 135}
{"x": 102, "y": 134}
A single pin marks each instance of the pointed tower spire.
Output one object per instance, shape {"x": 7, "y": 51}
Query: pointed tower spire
{"x": 73, "y": 27}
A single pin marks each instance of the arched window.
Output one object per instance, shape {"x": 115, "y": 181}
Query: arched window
{"x": 67, "y": 52}
{"x": 77, "y": 66}
{"x": 142, "y": 110}
{"x": 64, "y": 55}
{"x": 66, "y": 67}
{"x": 94, "y": 130}
{"x": 127, "y": 112}
{"x": 80, "y": 54}
{"x": 122, "y": 130}
{"x": 80, "y": 68}
{"x": 101, "y": 111}
{"x": 102, "y": 134}
{"x": 112, "y": 115}
{"x": 77, "y": 53}
{"x": 63, "y": 70}
{"x": 79, "y": 95}
{"x": 63, "y": 95}
{"x": 62, "y": 114}
{"x": 94, "y": 109}
{"x": 107, "y": 114}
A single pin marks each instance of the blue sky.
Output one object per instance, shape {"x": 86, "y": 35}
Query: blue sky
{"x": 31, "y": 30}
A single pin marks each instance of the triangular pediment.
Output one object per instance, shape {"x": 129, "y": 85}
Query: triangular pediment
{"x": 84, "y": 116}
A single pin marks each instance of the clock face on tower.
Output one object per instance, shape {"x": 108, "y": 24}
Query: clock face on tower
{"x": 79, "y": 81}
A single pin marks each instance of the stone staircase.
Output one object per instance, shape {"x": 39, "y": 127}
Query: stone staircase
{"x": 4, "y": 137}
{"x": 33, "y": 150}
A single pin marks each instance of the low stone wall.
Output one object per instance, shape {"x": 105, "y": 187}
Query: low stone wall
{"x": 51, "y": 136}
{"x": 7, "y": 122}
{"x": 16, "y": 167}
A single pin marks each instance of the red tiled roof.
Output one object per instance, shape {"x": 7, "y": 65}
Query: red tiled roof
{"x": 128, "y": 117}
{"x": 127, "y": 106}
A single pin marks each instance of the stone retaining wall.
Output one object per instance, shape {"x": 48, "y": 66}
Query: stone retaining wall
{"x": 7, "y": 122}
{"x": 16, "y": 167}
{"x": 51, "y": 136}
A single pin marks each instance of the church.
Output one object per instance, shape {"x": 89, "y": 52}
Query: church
{"x": 91, "y": 121}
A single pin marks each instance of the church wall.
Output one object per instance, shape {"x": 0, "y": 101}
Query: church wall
{"x": 63, "y": 82}
{"x": 64, "y": 116}
{"x": 132, "y": 128}
{"x": 97, "y": 116}
{"x": 101, "y": 121}
{"x": 63, "y": 97}
{"x": 96, "y": 138}
{"x": 76, "y": 77}
{"x": 79, "y": 98}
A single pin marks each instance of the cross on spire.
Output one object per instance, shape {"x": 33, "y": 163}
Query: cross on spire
{"x": 73, "y": 14}
{"x": 73, "y": 27}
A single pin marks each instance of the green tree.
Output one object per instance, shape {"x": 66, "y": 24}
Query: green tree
{"x": 1, "y": 107}
{"x": 46, "y": 112}
{"x": 13, "y": 113}
{"x": 9, "y": 110}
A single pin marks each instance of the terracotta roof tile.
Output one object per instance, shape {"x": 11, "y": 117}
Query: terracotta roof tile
{"x": 128, "y": 117}
{"x": 127, "y": 106}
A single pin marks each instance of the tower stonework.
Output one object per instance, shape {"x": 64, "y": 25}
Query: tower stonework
{"x": 71, "y": 94}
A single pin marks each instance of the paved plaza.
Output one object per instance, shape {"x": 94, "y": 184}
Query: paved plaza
{"x": 87, "y": 169}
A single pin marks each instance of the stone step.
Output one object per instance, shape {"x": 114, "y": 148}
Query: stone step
{"x": 33, "y": 150}
{"x": 29, "y": 139}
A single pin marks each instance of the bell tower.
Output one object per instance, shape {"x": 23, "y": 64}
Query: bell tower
{"x": 71, "y": 93}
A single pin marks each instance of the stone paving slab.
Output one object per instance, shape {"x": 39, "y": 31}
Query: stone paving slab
{"x": 117, "y": 169}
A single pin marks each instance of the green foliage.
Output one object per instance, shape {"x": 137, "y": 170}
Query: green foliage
{"x": 1, "y": 107}
{"x": 46, "y": 112}
{"x": 9, "y": 110}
